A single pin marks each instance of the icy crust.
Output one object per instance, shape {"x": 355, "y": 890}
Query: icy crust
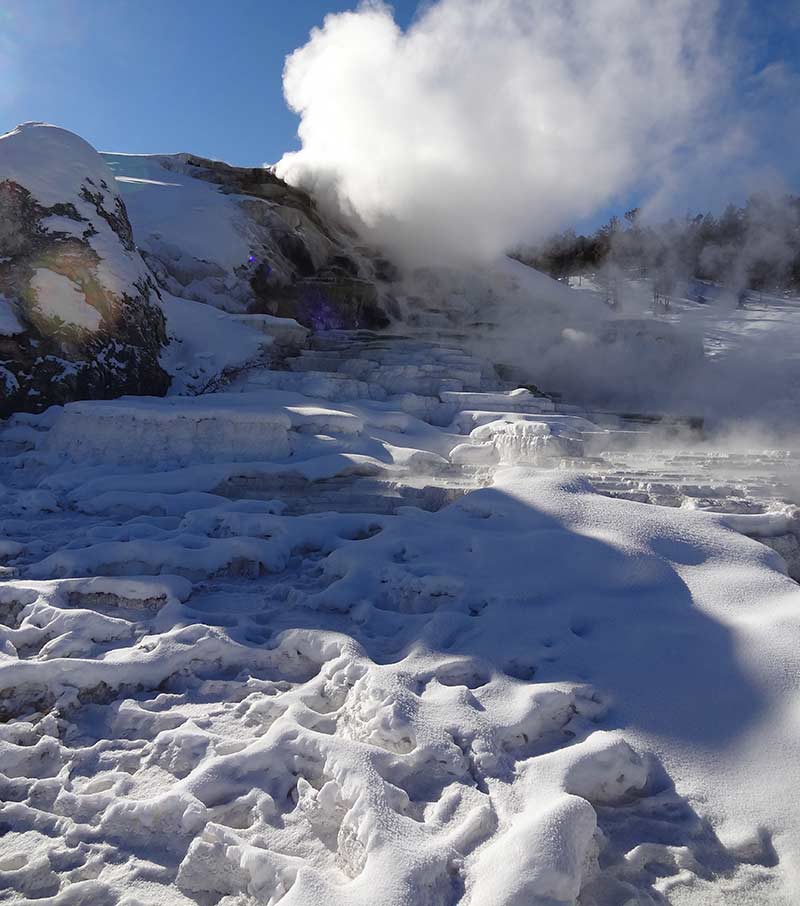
{"x": 220, "y": 685}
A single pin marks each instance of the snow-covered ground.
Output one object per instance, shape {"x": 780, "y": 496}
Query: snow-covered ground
{"x": 291, "y": 643}
{"x": 354, "y": 618}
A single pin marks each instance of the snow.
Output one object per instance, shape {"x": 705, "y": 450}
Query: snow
{"x": 269, "y": 648}
{"x": 59, "y": 297}
{"x": 59, "y": 224}
{"x": 207, "y": 347}
{"x": 203, "y": 243}
{"x": 284, "y": 330}
{"x": 51, "y": 163}
{"x": 351, "y": 618}
{"x": 191, "y": 359}
{"x": 165, "y": 206}
{"x": 9, "y": 320}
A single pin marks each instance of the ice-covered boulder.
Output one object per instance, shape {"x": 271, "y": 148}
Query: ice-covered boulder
{"x": 243, "y": 240}
{"x": 79, "y": 310}
{"x": 514, "y": 439}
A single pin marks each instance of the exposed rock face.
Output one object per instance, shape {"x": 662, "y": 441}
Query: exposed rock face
{"x": 80, "y": 307}
{"x": 266, "y": 250}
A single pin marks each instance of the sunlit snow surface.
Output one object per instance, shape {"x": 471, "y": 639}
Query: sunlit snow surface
{"x": 267, "y": 647}
{"x": 60, "y": 297}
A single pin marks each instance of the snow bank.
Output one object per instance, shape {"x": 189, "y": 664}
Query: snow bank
{"x": 191, "y": 360}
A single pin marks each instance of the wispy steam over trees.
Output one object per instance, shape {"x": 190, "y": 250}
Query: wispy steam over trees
{"x": 756, "y": 246}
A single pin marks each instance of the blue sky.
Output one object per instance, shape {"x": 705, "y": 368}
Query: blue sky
{"x": 159, "y": 75}
{"x": 205, "y": 76}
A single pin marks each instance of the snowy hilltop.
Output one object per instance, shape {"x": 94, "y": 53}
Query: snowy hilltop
{"x": 328, "y": 581}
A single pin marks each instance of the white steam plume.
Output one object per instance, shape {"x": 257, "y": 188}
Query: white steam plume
{"x": 492, "y": 121}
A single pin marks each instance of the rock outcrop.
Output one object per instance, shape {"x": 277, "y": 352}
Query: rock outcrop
{"x": 79, "y": 310}
{"x": 247, "y": 242}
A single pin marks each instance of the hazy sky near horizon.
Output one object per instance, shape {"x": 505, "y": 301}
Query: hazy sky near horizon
{"x": 174, "y": 75}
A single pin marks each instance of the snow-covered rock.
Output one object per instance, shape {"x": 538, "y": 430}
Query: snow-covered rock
{"x": 208, "y": 348}
{"x": 243, "y": 240}
{"x": 514, "y": 440}
{"x": 80, "y": 313}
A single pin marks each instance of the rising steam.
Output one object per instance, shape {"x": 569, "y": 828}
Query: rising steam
{"x": 491, "y": 120}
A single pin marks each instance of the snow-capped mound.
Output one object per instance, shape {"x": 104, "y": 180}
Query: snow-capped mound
{"x": 80, "y": 308}
{"x": 53, "y": 164}
{"x": 243, "y": 241}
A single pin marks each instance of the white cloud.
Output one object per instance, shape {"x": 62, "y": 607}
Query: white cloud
{"x": 489, "y": 121}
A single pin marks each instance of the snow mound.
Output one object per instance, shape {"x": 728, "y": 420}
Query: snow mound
{"x": 194, "y": 363}
{"x": 52, "y": 163}
{"x": 519, "y": 441}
